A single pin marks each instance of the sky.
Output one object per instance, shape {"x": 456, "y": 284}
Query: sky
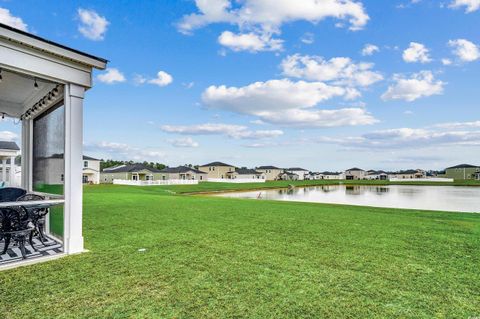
{"x": 320, "y": 84}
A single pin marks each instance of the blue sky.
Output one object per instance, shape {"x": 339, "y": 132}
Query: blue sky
{"x": 320, "y": 84}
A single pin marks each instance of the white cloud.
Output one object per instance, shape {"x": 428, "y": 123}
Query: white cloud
{"x": 230, "y": 130}
{"x": 8, "y": 136}
{"x": 446, "y": 61}
{"x": 287, "y": 103}
{"x": 370, "y": 49}
{"x": 308, "y": 38}
{"x": 15, "y": 22}
{"x": 111, "y": 76}
{"x": 465, "y": 50}
{"x": 340, "y": 70}
{"x": 416, "y": 52}
{"x": 269, "y": 15}
{"x": 183, "y": 142}
{"x": 93, "y": 26}
{"x": 124, "y": 151}
{"x": 162, "y": 79}
{"x": 459, "y": 125}
{"x": 419, "y": 85}
{"x": 471, "y": 5}
{"x": 251, "y": 42}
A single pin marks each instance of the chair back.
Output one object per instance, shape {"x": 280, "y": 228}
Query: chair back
{"x": 12, "y": 219}
{"x": 11, "y": 194}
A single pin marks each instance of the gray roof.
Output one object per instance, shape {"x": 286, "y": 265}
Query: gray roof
{"x": 268, "y": 167}
{"x": 131, "y": 169}
{"x": 181, "y": 169}
{"x": 244, "y": 171}
{"x": 355, "y": 169}
{"x": 330, "y": 173}
{"x": 463, "y": 166}
{"x": 36, "y": 37}
{"x": 217, "y": 164}
{"x": 297, "y": 169}
{"x": 85, "y": 157}
{"x": 4, "y": 145}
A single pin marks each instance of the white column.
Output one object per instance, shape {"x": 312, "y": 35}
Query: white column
{"x": 73, "y": 238}
{"x": 12, "y": 171}
{"x": 4, "y": 170}
{"x": 27, "y": 142}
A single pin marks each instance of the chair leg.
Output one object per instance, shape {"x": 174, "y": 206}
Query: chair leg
{"x": 41, "y": 234}
{"x": 21, "y": 244}
{"x": 30, "y": 240}
{"x": 7, "y": 243}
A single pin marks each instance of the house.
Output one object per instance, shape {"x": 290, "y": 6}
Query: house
{"x": 246, "y": 173}
{"x": 43, "y": 87}
{"x": 313, "y": 176}
{"x": 332, "y": 175}
{"x": 355, "y": 173}
{"x": 271, "y": 172}
{"x": 462, "y": 171}
{"x": 377, "y": 175}
{"x": 132, "y": 172}
{"x": 8, "y": 153}
{"x": 298, "y": 171}
{"x": 182, "y": 173}
{"x": 287, "y": 176}
{"x": 409, "y": 174}
{"x": 91, "y": 170}
{"x": 216, "y": 170}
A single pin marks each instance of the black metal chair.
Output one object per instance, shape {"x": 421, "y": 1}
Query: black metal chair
{"x": 11, "y": 194}
{"x": 37, "y": 216}
{"x": 15, "y": 226}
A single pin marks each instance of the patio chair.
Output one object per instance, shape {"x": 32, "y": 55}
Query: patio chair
{"x": 37, "y": 216}
{"x": 10, "y": 194}
{"x": 15, "y": 226}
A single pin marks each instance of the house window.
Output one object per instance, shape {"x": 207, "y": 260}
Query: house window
{"x": 62, "y": 178}
{"x": 135, "y": 177}
{"x": 85, "y": 164}
{"x": 201, "y": 177}
{"x": 149, "y": 177}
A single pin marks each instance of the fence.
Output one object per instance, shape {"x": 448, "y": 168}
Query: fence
{"x": 152, "y": 183}
{"x": 238, "y": 180}
{"x": 433, "y": 179}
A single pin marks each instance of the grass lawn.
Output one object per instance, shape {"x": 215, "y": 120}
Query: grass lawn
{"x": 210, "y": 257}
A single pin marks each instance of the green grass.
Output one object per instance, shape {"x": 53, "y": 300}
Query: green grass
{"x": 210, "y": 257}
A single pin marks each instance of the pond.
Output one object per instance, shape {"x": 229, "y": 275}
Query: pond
{"x": 443, "y": 198}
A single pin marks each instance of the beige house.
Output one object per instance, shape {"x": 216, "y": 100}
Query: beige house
{"x": 287, "y": 176}
{"x": 134, "y": 172}
{"x": 216, "y": 170}
{"x": 91, "y": 170}
{"x": 300, "y": 172}
{"x": 355, "y": 173}
{"x": 246, "y": 173}
{"x": 272, "y": 173}
{"x": 409, "y": 174}
{"x": 182, "y": 173}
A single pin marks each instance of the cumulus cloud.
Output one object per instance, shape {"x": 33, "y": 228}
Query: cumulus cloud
{"x": 459, "y": 125}
{"x": 287, "y": 103}
{"x": 125, "y": 151}
{"x": 339, "y": 70}
{"x": 470, "y": 5}
{"x": 162, "y": 79}
{"x": 416, "y": 52}
{"x": 308, "y": 38}
{"x": 92, "y": 25}
{"x": 8, "y": 136}
{"x": 15, "y": 22}
{"x": 183, "y": 142}
{"x": 230, "y": 130}
{"x": 370, "y": 49}
{"x": 465, "y": 50}
{"x": 422, "y": 84}
{"x": 252, "y": 42}
{"x": 111, "y": 76}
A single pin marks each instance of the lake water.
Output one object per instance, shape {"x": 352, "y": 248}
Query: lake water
{"x": 443, "y": 198}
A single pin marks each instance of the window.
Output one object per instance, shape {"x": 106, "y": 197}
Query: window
{"x": 85, "y": 164}
{"x": 62, "y": 178}
{"x": 134, "y": 177}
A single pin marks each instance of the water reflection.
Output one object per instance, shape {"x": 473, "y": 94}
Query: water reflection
{"x": 445, "y": 198}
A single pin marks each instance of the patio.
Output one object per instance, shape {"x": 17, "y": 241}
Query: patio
{"x": 42, "y": 87}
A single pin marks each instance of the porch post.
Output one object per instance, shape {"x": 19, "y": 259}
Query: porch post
{"x": 12, "y": 171}
{"x": 27, "y": 142}
{"x": 73, "y": 238}
{"x": 4, "y": 170}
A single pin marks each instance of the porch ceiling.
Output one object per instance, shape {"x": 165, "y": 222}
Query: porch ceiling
{"x": 17, "y": 92}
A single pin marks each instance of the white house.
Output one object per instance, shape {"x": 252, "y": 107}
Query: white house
{"x": 43, "y": 87}
{"x": 91, "y": 170}
{"x": 9, "y": 170}
{"x": 302, "y": 173}
{"x": 246, "y": 174}
{"x": 332, "y": 175}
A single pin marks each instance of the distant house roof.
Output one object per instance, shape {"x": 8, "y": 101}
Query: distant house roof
{"x": 330, "y": 173}
{"x": 288, "y": 174}
{"x": 407, "y": 171}
{"x": 268, "y": 167}
{"x": 85, "y": 157}
{"x": 4, "y": 145}
{"x": 181, "y": 169}
{"x": 296, "y": 169}
{"x": 355, "y": 169}
{"x": 463, "y": 166}
{"x": 217, "y": 164}
{"x": 246, "y": 171}
{"x": 373, "y": 172}
{"x": 131, "y": 169}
